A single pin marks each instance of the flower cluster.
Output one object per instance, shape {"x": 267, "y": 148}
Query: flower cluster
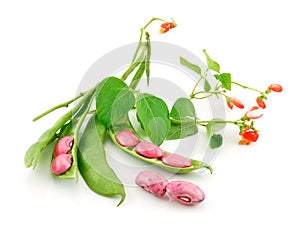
{"x": 249, "y": 133}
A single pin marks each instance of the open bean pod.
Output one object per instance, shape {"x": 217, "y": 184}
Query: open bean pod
{"x": 158, "y": 162}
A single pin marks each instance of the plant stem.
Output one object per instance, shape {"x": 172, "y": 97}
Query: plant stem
{"x": 192, "y": 95}
{"x": 210, "y": 94}
{"x": 246, "y": 87}
{"x": 134, "y": 65}
{"x": 141, "y": 36}
{"x": 205, "y": 122}
{"x": 65, "y": 104}
{"x": 202, "y": 76}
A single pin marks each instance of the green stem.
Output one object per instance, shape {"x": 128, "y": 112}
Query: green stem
{"x": 246, "y": 87}
{"x": 192, "y": 95}
{"x": 202, "y": 76}
{"x": 210, "y": 94}
{"x": 65, "y": 104}
{"x": 141, "y": 36}
{"x": 134, "y": 65}
{"x": 138, "y": 47}
{"x": 204, "y": 122}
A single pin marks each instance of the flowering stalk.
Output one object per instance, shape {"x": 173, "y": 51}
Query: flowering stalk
{"x": 222, "y": 87}
{"x": 143, "y": 31}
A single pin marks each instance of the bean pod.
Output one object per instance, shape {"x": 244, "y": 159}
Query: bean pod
{"x": 152, "y": 154}
{"x": 92, "y": 164}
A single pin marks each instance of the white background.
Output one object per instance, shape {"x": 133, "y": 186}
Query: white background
{"x": 47, "y": 46}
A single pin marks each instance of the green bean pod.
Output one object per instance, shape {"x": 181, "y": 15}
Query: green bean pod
{"x": 157, "y": 162}
{"x": 92, "y": 163}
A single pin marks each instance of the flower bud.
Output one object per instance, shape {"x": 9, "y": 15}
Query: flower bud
{"x": 275, "y": 87}
{"x": 260, "y": 102}
{"x": 234, "y": 101}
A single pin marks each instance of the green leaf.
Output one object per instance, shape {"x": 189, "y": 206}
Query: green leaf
{"x": 153, "y": 115}
{"x": 138, "y": 75}
{"x": 214, "y": 126}
{"x": 33, "y": 153}
{"x": 225, "y": 79}
{"x": 92, "y": 163}
{"x": 207, "y": 86}
{"x": 189, "y": 65}
{"x": 183, "y": 108}
{"x": 211, "y": 64}
{"x": 178, "y": 131}
{"x": 113, "y": 100}
{"x": 216, "y": 141}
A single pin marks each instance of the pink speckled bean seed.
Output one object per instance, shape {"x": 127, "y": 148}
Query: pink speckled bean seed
{"x": 185, "y": 192}
{"x": 127, "y": 138}
{"x": 152, "y": 182}
{"x": 61, "y": 164}
{"x": 64, "y": 145}
{"x": 176, "y": 160}
{"x": 148, "y": 150}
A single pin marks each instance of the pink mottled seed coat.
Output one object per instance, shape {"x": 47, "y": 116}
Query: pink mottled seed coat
{"x": 152, "y": 182}
{"x": 176, "y": 160}
{"x": 64, "y": 145}
{"x": 148, "y": 150}
{"x": 127, "y": 138}
{"x": 61, "y": 164}
{"x": 185, "y": 192}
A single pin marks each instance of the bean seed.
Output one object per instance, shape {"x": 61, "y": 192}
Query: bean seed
{"x": 64, "y": 145}
{"x": 61, "y": 164}
{"x": 148, "y": 150}
{"x": 152, "y": 181}
{"x": 176, "y": 160}
{"x": 127, "y": 138}
{"x": 185, "y": 192}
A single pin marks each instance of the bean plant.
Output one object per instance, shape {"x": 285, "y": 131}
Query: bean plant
{"x": 115, "y": 96}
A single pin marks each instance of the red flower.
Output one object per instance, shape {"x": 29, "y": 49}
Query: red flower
{"x": 275, "y": 87}
{"x": 260, "y": 102}
{"x": 165, "y": 27}
{"x": 234, "y": 101}
{"x": 248, "y": 136}
{"x": 253, "y": 113}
